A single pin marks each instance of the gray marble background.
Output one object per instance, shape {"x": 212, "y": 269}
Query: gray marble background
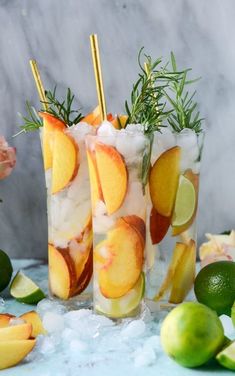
{"x": 56, "y": 33}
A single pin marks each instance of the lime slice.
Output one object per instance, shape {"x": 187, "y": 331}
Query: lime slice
{"x": 185, "y": 202}
{"x": 5, "y": 270}
{"x": 227, "y": 357}
{"x": 121, "y": 307}
{"x": 25, "y": 290}
{"x": 233, "y": 314}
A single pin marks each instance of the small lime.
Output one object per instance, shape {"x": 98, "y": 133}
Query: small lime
{"x": 25, "y": 290}
{"x": 215, "y": 286}
{"x": 192, "y": 334}
{"x": 5, "y": 270}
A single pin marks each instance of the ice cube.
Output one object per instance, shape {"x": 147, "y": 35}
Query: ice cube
{"x": 77, "y": 315}
{"x": 153, "y": 342}
{"x": 53, "y": 322}
{"x": 79, "y": 130}
{"x": 166, "y": 138}
{"x": 131, "y": 146}
{"x": 76, "y": 346}
{"x": 134, "y": 329}
{"x": 45, "y": 345}
{"x": 67, "y": 335}
{"x": 228, "y": 325}
{"x": 144, "y": 357}
{"x": 51, "y": 306}
{"x": 107, "y": 133}
{"x": 135, "y": 128}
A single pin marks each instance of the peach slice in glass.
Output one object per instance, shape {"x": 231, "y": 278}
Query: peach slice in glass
{"x": 123, "y": 263}
{"x": 62, "y": 273}
{"x": 113, "y": 176}
{"x": 163, "y": 181}
{"x": 96, "y": 192}
{"x": 50, "y": 124}
{"x": 159, "y": 226}
{"x": 65, "y": 161}
{"x": 184, "y": 274}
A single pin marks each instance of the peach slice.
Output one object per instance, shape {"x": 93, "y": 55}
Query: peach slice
{"x": 96, "y": 192}
{"x": 179, "y": 251}
{"x": 5, "y": 319}
{"x": 184, "y": 274}
{"x": 34, "y": 319}
{"x": 137, "y": 224}
{"x": 86, "y": 274}
{"x": 194, "y": 178}
{"x": 163, "y": 181}
{"x": 113, "y": 176}
{"x": 16, "y": 332}
{"x": 50, "y": 124}
{"x": 94, "y": 117}
{"x": 159, "y": 226}
{"x": 121, "y": 269}
{"x": 119, "y": 121}
{"x": 12, "y": 352}
{"x": 62, "y": 273}
{"x": 65, "y": 161}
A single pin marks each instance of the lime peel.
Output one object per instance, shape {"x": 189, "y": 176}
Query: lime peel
{"x": 226, "y": 357}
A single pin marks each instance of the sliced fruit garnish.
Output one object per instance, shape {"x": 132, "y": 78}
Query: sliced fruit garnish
{"x": 194, "y": 178}
{"x": 163, "y": 181}
{"x": 34, "y": 319}
{"x": 158, "y": 226}
{"x": 123, "y": 263}
{"x": 65, "y": 161}
{"x": 184, "y": 274}
{"x": 14, "y": 332}
{"x": 62, "y": 273}
{"x": 185, "y": 202}
{"x": 94, "y": 117}
{"x": 86, "y": 275}
{"x": 119, "y": 121}
{"x": 5, "y": 319}
{"x": 50, "y": 124}
{"x": 113, "y": 176}
{"x": 121, "y": 307}
{"x": 137, "y": 224}
{"x": 226, "y": 357}
{"x": 25, "y": 290}
{"x": 96, "y": 192}
{"x": 12, "y": 352}
{"x": 179, "y": 251}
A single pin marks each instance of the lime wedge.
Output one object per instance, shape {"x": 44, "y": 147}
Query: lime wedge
{"x": 5, "y": 270}
{"x": 226, "y": 357}
{"x": 185, "y": 202}
{"x": 25, "y": 290}
{"x": 121, "y": 307}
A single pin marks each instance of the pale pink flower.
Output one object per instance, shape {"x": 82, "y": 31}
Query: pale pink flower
{"x": 7, "y": 158}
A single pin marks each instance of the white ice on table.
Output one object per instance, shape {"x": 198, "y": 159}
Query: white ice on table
{"x": 53, "y": 322}
{"x": 134, "y": 329}
{"x": 227, "y": 323}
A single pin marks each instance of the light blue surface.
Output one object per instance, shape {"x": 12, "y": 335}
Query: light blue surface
{"x": 96, "y": 363}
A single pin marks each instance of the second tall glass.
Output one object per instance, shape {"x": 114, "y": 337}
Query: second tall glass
{"x": 119, "y": 210}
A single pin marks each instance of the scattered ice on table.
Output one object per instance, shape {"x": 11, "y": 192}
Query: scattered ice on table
{"x": 228, "y": 325}
{"x": 2, "y": 304}
{"x": 49, "y": 305}
{"x": 76, "y": 346}
{"x": 153, "y": 342}
{"x": 46, "y": 345}
{"x": 144, "y": 356}
{"x": 53, "y": 322}
{"x": 133, "y": 329}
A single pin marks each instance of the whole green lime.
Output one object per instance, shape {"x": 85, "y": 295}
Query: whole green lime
{"x": 192, "y": 334}
{"x": 5, "y": 270}
{"x": 215, "y": 286}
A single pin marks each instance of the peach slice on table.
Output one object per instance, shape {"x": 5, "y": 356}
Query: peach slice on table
{"x": 137, "y": 224}
{"x": 184, "y": 274}
{"x": 179, "y": 251}
{"x": 96, "y": 192}
{"x": 65, "y": 161}
{"x": 62, "y": 273}
{"x": 194, "y": 178}
{"x": 50, "y": 124}
{"x": 15, "y": 332}
{"x": 163, "y": 181}
{"x": 122, "y": 265}
{"x": 12, "y": 352}
{"x": 113, "y": 176}
{"x": 5, "y": 319}
{"x": 34, "y": 319}
{"x": 159, "y": 226}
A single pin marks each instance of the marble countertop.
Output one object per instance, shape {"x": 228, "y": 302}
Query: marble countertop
{"x": 114, "y": 362}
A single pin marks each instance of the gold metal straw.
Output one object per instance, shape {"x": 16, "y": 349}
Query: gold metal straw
{"x": 38, "y": 82}
{"x": 98, "y": 75}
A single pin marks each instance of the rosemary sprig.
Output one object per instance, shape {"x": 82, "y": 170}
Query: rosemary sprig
{"x": 62, "y": 110}
{"x": 185, "y": 112}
